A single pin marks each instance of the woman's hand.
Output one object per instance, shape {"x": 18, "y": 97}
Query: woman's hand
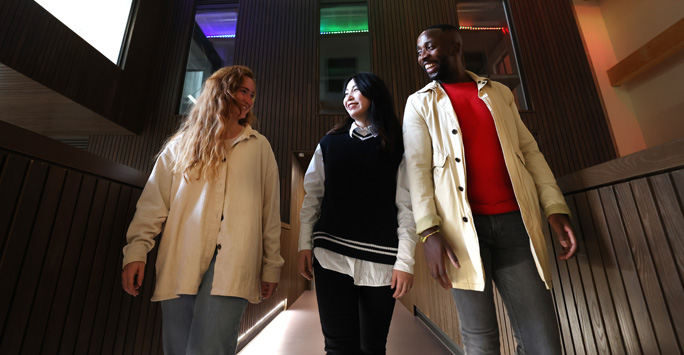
{"x": 401, "y": 283}
{"x": 305, "y": 264}
{"x": 129, "y": 281}
{"x": 267, "y": 289}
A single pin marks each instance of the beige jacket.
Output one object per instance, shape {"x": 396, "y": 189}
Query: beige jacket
{"x": 240, "y": 212}
{"x": 433, "y": 144}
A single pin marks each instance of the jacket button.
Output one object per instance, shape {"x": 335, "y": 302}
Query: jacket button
{"x": 460, "y": 188}
{"x": 454, "y": 131}
{"x": 218, "y": 246}
{"x": 222, "y": 217}
{"x": 458, "y": 160}
{"x": 224, "y": 160}
{"x": 465, "y": 219}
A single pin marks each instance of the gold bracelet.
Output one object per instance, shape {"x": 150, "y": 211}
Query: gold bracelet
{"x": 423, "y": 239}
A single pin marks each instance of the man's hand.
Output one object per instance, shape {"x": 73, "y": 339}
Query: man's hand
{"x": 305, "y": 265}
{"x": 267, "y": 289}
{"x": 129, "y": 281}
{"x": 401, "y": 283}
{"x": 566, "y": 235}
{"x": 435, "y": 250}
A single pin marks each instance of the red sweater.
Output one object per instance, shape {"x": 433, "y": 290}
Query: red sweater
{"x": 488, "y": 184}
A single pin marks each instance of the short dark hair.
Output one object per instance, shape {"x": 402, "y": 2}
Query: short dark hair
{"x": 443, "y": 27}
{"x": 381, "y": 114}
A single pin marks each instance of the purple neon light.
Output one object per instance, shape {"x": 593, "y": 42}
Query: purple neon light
{"x": 218, "y": 24}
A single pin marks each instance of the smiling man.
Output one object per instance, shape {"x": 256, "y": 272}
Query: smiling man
{"x": 477, "y": 179}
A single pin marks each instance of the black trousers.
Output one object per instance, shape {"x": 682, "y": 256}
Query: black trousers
{"x": 355, "y": 319}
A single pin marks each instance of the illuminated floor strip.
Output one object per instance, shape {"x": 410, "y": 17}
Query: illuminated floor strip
{"x": 275, "y": 309}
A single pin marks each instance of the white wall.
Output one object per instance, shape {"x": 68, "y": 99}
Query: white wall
{"x": 649, "y": 110}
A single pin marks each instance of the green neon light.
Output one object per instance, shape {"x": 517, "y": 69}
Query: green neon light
{"x": 342, "y": 32}
{"x": 344, "y": 19}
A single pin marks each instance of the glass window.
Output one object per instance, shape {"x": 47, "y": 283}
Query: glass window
{"x": 103, "y": 24}
{"x": 212, "y": 48}
{"x": 344, "y": 49}
{"x": 488, "y": 45}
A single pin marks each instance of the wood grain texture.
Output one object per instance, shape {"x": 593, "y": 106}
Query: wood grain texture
{"x": 661, "y": 158}
{"x": 62, "y": 247}
{"x": 659, "y": 49}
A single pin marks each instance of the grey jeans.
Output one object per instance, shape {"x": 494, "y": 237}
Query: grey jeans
{"x": 507, "y": 259}
{"x": 202, "y": 323}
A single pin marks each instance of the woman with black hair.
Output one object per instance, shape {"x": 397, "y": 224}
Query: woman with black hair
{"x": 356, "y": 216}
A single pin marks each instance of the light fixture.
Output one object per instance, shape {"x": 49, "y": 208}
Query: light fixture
{"x": 222, "y": 36}
{"x": 342, "y": 32}
{"x": 277, "y": 307}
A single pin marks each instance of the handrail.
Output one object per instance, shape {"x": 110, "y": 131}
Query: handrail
{"x": 653, "y": 160}
{"x": 34, "y": 145}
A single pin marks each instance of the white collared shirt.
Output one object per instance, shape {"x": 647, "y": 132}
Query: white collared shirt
{"x": 364, "y": 273}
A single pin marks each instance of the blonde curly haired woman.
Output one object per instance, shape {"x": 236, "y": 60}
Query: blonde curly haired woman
{"x": 214, "y": 192}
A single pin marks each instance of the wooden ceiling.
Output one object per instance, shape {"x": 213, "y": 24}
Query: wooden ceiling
{"x": 30, "y": 105}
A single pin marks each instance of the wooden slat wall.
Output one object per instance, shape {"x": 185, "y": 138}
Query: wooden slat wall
{"x": 61, "y": 235}
{"x": 565, "y": 104}
{"x": 37, "y": 45}
{"x": 623, "y": 292}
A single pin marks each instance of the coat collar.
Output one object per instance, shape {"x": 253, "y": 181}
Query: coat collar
{"x": 433, "y": 85}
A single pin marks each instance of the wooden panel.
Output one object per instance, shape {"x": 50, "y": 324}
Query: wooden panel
{"x": 567, "y": 272}
{"x": 31, "y": 144}
{"x": 659, "y": 267}
{"x": 145, "y": 87}
{"x": 619, "y": 301}
{"x": 95, "y": 283}
{"x": 60, "y": 225}
{"x": 26, "y": 103}
{"x": 29, "y": 269}
{"x": 662, "y": 47}
{"x": 110, "y": 281}
{"x": 47, "y": 286}
{"x": 11, "y": 180}
{"x": 629, "y": 288}
{"x": 69, "y": 265}
{"x": 604, "y": 321}
{"x": 298, "y": 284}
{"x": 662, "y": 158}
{"x": 17, "y": 242}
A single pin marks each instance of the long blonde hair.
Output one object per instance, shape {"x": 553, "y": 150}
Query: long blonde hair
{"x": 200, "y": 136}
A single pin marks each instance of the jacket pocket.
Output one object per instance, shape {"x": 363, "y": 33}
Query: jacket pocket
{"x": 439, "y": 158}
{"x": 521, "y": 157}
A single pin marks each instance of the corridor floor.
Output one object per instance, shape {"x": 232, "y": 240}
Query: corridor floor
{"x": 297, "y": 331}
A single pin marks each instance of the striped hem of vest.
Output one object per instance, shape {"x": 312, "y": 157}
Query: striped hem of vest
{"x": 360, "y": 250}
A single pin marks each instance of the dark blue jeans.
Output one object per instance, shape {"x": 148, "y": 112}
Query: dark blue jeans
{"x": 508, "y": 261}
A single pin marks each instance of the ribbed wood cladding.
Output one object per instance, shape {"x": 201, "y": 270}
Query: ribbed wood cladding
{"x": 565, "y": 105}
{"x": 37, "y": 45}
{"x": 137, "y": 151}
{"x": 394, "y": 27}
{"x": 623, "y": 292}
{"x": 61, "y": 234}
